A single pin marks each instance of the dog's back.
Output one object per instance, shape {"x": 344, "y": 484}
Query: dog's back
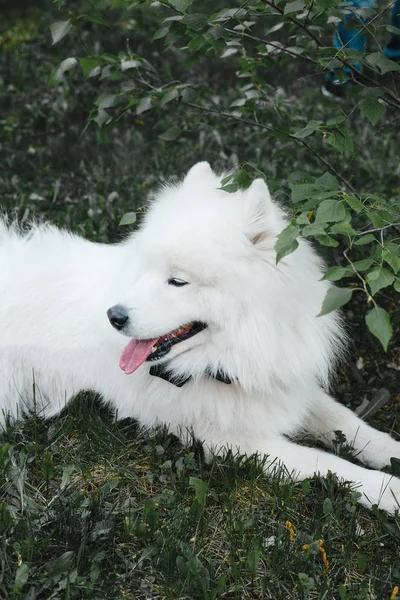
{"x": 52, "y": 293}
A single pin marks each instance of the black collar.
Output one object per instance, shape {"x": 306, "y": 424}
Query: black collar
{"x": 163, "y": 372}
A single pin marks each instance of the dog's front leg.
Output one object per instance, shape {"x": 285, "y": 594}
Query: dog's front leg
{"x": 302, "y": 462}
{"x": 374, "y": 448}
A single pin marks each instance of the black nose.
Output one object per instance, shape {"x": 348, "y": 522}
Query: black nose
{"x": 117, "y": 316}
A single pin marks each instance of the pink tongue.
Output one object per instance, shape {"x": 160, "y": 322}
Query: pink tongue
{"x": 135, "y": 354}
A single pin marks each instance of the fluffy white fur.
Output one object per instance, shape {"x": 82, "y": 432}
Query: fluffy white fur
{"x": 56, "y": 287}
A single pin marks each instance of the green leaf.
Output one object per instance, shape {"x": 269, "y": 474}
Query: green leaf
{"x": 375, "y": 92}
{"x": 341, "y": 141}
{"x": 302, "y": 218}
{"x": 61, "y": 565}
{"x": 391, "y": 255}
{"x": 287, "y": 242}
{"x": 47, "y": 466}
{"x": 393, "y": 29}
{"x": 144, "y": 105}
{"x": 95, "y": 19}
{"x": 243, "y": 179}
{"x": 327, "y": 506}
{"x": 226, "y": 179}
{"x": 378, "y": 322}
{"x": 396, "y": 285}
{"x": 68, "y": 471}
{"x": 301, "y": 191}
{"x": 102, "y": 118}
{"x": 343, "y": 228}
{"x": 195, "y": 21}
{"x": 362, "y": 563}
{"x": 106, "y": 101}
{"x": 292, "y": 7}
{"x": 307, "y": 583}
{"x": 379, "y": 218}
{"x": 89, "y": 63}
{"x": 327, "y": 181}
{"x": 313, "y": 229}
{"x": 132, "y": 63}
{"x": 200, "y": 489}
{"x": 309, "y": 129}
{"x": 150, "y": 515}
{"x": 161, "y": 33}
{"x": 382, "y": 63}
{"x": 95, "y": 566}
{"x": 21, "y": 578}
{"x": 253, "y": 559}
{"x": 171, "y": 95}
{"x": 180, "y": 5}
{"x": 335, "y": 121}
{"x": 228, "y": 13}
{"x": 238, "y": 102}
{"x": 379, "y": 278}
{"x": 330, "y": 211}
{"x": 231, "y": 188}
{"x": 59, "y": 30}
{"x": 65, "y": 65}
{"x": 128, "y": 219}
{"x": 362, "y": 265}
{"x": 336, "y": 273}
{"x": 111, "y": 59}
{"x": 334, "y": 299}
{"x": 171, "y": 134}
{"x": 372, "y": 109}
{"x": 196, "y": 43}
{"x": 365, "y": 239}
{"x": 326, "y": 240}
{"x": 354, "y": 203}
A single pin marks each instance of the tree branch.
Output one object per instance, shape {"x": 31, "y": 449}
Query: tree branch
{"x": 270, "y": 128}
{"x": 358, "y": 77}
{"x": 282, "y": 48}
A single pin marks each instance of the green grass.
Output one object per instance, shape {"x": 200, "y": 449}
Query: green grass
{"x": 93, "y": 508}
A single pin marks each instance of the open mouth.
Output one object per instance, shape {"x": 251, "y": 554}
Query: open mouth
{"x": 139, "y": 351}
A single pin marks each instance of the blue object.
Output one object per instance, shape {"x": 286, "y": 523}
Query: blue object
{"x": 347, "y": 35}
{"x": 392, "y": 48}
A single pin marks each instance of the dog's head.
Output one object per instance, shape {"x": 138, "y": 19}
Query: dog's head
{"x": 207, "y": 294}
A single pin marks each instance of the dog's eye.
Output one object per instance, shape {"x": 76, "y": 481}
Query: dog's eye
{"x": 177, "y": 282}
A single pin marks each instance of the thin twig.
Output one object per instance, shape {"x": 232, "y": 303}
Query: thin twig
{"x": 296, "y": 22}
{"x": 270, "y": 128}
{"x": 359, "y": 77}
{"x": 377, "y": 132}
{"x": 378, "y": 229}
{"x": 282, "y": 48}
{"x": 328, "y": 165}
{"x": 364, "y": 283}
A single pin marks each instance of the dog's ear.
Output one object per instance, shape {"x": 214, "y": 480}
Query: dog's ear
{"x": 259, "y": 210}
{"x": 199, "y": 171}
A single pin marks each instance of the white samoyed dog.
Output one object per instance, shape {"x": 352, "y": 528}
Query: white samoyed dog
{"x": 188, "y": 322}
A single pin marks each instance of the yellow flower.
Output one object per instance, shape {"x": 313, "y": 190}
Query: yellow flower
{"x": 292, "y": 530}
{"x": 395, "y": 592}
{"x": 323, "y": 556}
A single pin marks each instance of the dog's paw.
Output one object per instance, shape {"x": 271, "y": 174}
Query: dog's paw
{"x": 379, "y": 455}
{"x": 382, "y": 490}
